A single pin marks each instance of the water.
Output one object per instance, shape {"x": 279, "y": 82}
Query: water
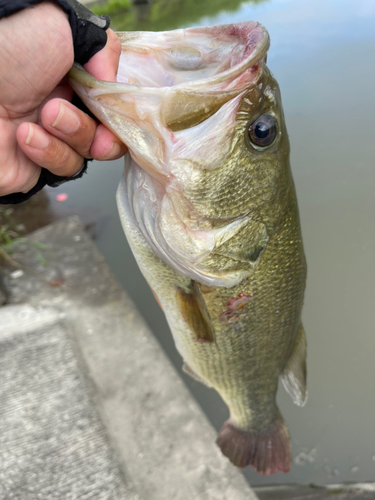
{"x": 322, "y": 54}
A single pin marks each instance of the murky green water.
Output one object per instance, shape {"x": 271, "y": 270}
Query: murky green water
{"x": 323, "y": 56}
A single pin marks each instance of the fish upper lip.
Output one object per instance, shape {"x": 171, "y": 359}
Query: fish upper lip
{"x": 259, "y": 51}
{"x": 256, "y": 42}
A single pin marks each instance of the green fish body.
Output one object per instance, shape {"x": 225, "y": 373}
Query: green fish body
{"x": 209, "y": 208}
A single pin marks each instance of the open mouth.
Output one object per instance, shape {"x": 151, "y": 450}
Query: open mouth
{"x": 183, "y": 76}
{"x": 172, "y": 81}
{"x": 175, "y": 106}
{"x": 194, "y": 57}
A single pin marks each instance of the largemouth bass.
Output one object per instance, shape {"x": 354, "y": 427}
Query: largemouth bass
{"x": 208, "y": 206}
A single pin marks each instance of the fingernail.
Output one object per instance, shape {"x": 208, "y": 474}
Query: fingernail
{"x": 37, "y": 138}
{"x": 66, "y": 121}
{"x": 112, "y": 152}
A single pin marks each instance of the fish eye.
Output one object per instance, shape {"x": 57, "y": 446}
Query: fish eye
{"x": 262, "y": 131}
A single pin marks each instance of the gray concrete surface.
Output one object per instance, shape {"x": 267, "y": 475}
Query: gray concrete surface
{"x": 53, "y": 442}
{"x": 359, "y": 491}
{"x": 125, "y": 406}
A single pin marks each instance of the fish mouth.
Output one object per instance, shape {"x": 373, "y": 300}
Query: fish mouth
{"x": 175, "y": 106}
{"x": 194, "y": 57}
{"x": 189, "y": 58}
{"x": 172, "y": 81}
{"x": 187, "y": 74}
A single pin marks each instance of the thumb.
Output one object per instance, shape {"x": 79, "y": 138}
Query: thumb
{"x": 104, "y": 64}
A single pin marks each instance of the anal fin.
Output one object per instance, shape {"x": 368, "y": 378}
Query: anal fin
{"x": 294, "y": 374}
{"x": 186, "y": 368}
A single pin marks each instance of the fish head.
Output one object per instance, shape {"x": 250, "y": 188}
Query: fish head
{"x": 201, "y": 115}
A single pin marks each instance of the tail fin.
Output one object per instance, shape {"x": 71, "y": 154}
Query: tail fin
{"x": 267, "y": 451}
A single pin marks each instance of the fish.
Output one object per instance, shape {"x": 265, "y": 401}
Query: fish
{"x": 208, "y": 205}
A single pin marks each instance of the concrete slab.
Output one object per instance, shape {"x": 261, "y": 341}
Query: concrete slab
{"x": 359, "y": 491}
{"x": 165, "y": 444}
{"x": 53, "y": 442}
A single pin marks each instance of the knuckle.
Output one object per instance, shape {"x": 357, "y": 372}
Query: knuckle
{"x": 63, "y": 155}
{"x": 114, "y": 42}
{"x": 84, "y": 136}
{"x": 72, "y": 164}
{"x": 9, "y": 182}
{"x": 14, "y": 181}
{"x": 87, "y": 135}
{"x": 63, "y": 160}
{"x": 116, "y": 47}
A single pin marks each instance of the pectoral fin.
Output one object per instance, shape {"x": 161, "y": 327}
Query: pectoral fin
{"x": 194, "y": 311}
{"x": 247, "y": 245}
{"x": 294, "y": 374}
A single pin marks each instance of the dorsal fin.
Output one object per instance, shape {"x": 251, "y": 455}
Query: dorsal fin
{"x": 194, "y": 311}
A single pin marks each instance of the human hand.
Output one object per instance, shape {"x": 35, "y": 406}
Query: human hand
{"x": 39, "y": 127}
